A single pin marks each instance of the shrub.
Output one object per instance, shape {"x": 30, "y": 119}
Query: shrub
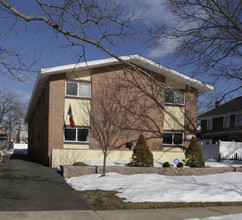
{"x": 142, "y": 156}
{"x": 79, "y": 164}
{"x": 193, "y": 155}
{"x": 166, "y": 164}
{"x": 180, "y": 164}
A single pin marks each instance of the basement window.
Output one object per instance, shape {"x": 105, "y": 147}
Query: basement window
{"x": 77, "y": 135}
{"x": 173, "y": 138}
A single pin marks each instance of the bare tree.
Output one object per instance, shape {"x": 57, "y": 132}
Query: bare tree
{"x": 108, "y": 122}
{"x": 206, "y": 34}
{"x": 12, "y": 111}
{"x": 14, "y": 62}
{"x": 98, "y": 23}
{"x": 102, "y": 24}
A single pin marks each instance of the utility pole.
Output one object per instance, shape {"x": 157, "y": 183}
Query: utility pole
{"x": 10, "y": 123}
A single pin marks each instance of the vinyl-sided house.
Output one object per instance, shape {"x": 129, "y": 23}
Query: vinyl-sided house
{"x": 162, "y": 107}
{"x": 224, "y": 122}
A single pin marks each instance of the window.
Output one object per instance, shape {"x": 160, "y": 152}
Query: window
{"x": 71, "y": 89}
{"x": 239, "y": 120}
{"x": 209, "y": 124}
{"x": 77, "y": 134}
{"x": 174, "y": 97}
{"x": 85, "y": 90}
{"x": 226, "y": 121}
{"x": 173, "y": 138}
{"x": 78, "y": 89}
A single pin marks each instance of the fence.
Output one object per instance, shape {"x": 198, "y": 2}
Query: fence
{"x": 223, "y": 150}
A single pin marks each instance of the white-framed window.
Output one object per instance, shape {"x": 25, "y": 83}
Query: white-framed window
{"x": 78, "y": 89}
{"x": 77, "y": 134}
{"x": 209, "y": 124}
{"x": 173, "y": 138}
{"x": 174, "y": 97}
{"x": 226, "y": 121}
{"x": 239, "y": 120}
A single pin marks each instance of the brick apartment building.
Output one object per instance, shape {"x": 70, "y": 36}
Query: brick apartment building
{"x": 166, "y": 113}
{"x": 224, "y": 122}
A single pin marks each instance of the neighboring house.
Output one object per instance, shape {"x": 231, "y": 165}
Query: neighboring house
{"x": 22, "y": 134}
{"x": 167, "y": 115}
{"x": 224, "y": 122}
{"x": 3, "y": 137}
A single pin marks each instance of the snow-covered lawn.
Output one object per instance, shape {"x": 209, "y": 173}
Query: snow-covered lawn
{"x": 160, "y": 188}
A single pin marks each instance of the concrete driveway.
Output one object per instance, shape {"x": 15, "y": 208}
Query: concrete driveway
{"x": 28, "y": 186}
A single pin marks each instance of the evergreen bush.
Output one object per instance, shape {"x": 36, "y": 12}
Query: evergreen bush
{"x": 180, "y": 164}
{"x": 193, "y": 155}
{"x": 166, "y": 164}
{"x": 142, "y": 156}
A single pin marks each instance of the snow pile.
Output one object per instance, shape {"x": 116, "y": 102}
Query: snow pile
{"x": 209, "y": 163}
{"x": 4, "y": 152}
{"x": 223, "y": 217}
{"x": 159, "y": 188}
{"x": 119, "y": 163}
{"x": 224, "y": 163}
{"x": 20, "y": 148}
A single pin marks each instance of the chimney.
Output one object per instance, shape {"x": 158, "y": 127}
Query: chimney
{"x": 217, "y": 104}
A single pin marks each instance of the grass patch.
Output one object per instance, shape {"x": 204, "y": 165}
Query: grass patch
{"x": 107, "y": 200}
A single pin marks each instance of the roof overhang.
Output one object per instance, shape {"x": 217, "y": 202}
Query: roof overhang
{"x": 135, "y": 59}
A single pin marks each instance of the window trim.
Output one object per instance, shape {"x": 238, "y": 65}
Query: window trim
{"x": 224, "y": 121}
{"x": 208, "y": 128}
{"x": 175, "y": 132}
{"x": 78, "y": 89}
{"x": 76, "y": 141}
{"x": 174, "y": 96}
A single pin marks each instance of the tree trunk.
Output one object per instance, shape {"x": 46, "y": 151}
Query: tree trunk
{"x": 104, "y": 163}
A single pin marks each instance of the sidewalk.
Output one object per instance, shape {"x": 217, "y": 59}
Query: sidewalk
{"x": 150, "y": 214}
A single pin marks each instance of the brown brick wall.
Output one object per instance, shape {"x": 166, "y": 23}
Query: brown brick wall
{"x": 56, "y": 112}
{"x": 38, "y": 129}
{"x": 134, "y": 97}
{"x": 152, "y": 118}
{"x": 73, "y": 171}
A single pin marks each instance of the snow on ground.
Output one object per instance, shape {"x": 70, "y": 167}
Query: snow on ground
{"x": 209, "y": 163}
{"x": 116, "y": 163}
{"x": 20, "y": 148}
{"x": 4, "y": 152}
{"x": 224, "y": 163}
{"x": 223, "y": 217}
{"x": 160, "y": 188}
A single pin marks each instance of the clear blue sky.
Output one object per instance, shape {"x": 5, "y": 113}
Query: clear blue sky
{"x": 34, "y": 38}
